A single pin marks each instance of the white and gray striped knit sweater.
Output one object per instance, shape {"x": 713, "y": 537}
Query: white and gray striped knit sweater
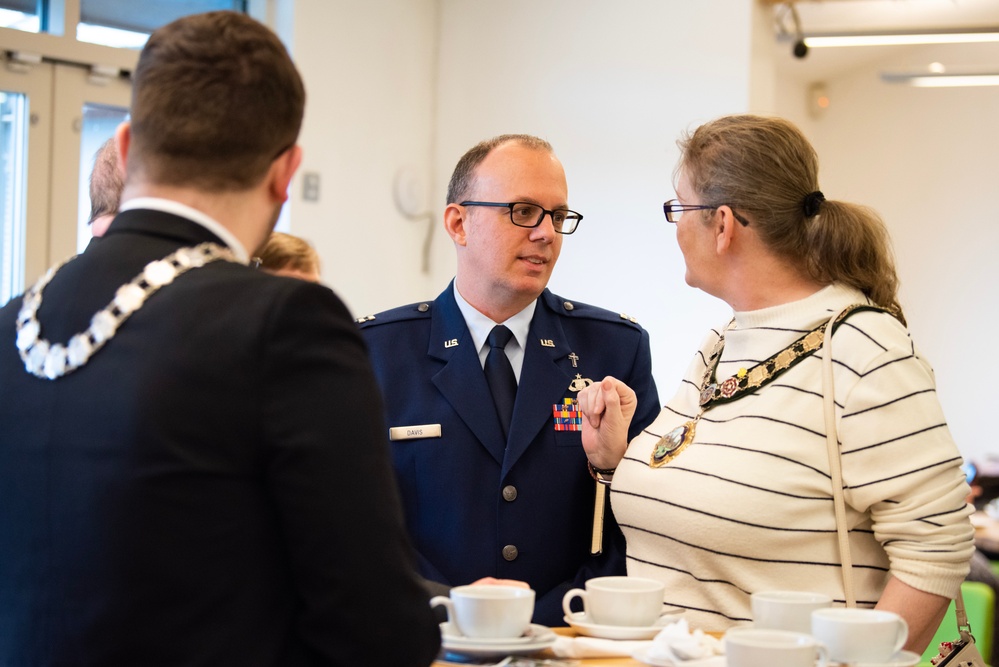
{"x": 748, "y": 505}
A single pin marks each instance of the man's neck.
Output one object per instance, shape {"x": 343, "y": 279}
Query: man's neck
{"x": 239, "y": 212}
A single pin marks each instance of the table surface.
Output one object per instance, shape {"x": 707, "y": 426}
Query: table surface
{"x": 587, "y": 662}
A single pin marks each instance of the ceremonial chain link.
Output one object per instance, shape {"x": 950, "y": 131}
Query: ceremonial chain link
{"x": 53, "y": 360}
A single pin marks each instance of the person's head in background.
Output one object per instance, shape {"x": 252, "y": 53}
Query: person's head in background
{"x": 106, "y": 183}
{"x": 287, "y": 255}
{"x": 219, "y": 137}
{"x": 504, "y": 265}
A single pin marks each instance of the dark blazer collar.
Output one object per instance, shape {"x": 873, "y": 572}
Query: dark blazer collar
{"x": 161, "y": 224}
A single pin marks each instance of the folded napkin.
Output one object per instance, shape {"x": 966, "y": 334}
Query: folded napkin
{"x": 676, "y": 644}
{"x": 595, "y": 647}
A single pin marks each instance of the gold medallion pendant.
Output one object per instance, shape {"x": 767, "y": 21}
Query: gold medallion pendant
{"x": 671, "y": 444}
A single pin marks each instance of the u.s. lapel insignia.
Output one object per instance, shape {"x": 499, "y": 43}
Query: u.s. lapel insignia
{"x": 547, "y": 342}
{"x": 579, "y": 383}
{"x": 451, "y": 343}
{"x": 567, "y": 415}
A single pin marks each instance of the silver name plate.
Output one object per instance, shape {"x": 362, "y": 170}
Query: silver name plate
{"x": 415, "y": 432}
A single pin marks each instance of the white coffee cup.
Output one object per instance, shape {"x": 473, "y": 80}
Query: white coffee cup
{"x": 762, "y": 647}
{"x": 860, "y": 635}
{"x": 622, "y": 601}
{"x": 786, "y": 610}
{"x": 488, "y": 612}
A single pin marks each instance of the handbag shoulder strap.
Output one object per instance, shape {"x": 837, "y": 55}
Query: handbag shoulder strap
{"x": 835, "y": 465}
{"x": 963, "y": 626}
{"x": 832, "y": 444}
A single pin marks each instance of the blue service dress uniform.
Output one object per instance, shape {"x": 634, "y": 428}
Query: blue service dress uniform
{"x": 477, "y": 505}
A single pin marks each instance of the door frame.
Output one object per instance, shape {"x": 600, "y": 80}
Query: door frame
{"x": 57, "y": 93}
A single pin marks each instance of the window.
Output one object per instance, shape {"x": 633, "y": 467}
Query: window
{"x": 128, "y": 24}
{"x": 20, "y": 15}
{"x": 13, "y": 159}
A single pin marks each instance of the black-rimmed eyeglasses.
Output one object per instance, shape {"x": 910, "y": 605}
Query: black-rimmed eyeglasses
{"x": 674, "y": 209}
{"x": 525, "y": 214}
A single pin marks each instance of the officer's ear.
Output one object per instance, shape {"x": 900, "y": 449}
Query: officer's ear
{"x": 455, "y": 222}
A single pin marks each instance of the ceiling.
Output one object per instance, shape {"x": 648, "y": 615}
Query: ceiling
{"x": 837, "y": 16}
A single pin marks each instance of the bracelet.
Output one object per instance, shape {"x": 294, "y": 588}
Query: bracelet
{"x": 602, "y": 475}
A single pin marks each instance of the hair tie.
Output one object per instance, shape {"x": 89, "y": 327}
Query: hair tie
{"x": 813, "y": 201}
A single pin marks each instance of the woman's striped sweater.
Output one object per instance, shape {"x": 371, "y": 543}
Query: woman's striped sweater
{"x": 748, "y": 505}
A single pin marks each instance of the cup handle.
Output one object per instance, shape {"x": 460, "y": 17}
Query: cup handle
{"x": 567, "y": 598}
{"x": 903, "y": 634}
{"x": 448, "y": 604}
{"x": 823, "y": 653}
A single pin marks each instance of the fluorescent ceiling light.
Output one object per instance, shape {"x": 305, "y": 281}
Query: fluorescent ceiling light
{"x": 898, "y": 39}
{"x": 923, "y": 80}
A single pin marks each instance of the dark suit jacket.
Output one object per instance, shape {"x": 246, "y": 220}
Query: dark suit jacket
{"x": 212, "y": 488}
{"x": 471, "y": 499}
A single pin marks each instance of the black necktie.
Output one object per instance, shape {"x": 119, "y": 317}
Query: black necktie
{"x": 499, "y": 375}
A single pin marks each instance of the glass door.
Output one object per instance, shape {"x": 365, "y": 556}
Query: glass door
{"x": 88, "y": 108}
{"x": 25, "y": 140}
{"x": 53, "y": 117}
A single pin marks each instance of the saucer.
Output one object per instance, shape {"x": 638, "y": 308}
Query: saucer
{"x": 900, "y": 659}
{"x": 533, "y": 633}
{"x": 537, "y": 638}
{"x": 642, "y": 656}
{"x": 581, "y": 624}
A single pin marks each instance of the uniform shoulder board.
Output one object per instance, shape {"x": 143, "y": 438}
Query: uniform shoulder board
{"x": 413, "y": 311}
{"x": 576, "y": 309}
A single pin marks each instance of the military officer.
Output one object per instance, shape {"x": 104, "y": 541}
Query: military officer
{"x": 493, "y": 475}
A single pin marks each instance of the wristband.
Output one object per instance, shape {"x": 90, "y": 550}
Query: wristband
{"x": 602, "y": 475}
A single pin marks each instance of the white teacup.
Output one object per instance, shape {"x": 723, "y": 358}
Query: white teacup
{"x": 762, "y": 647}
{"x": 488, "y": 612}
{"x": 622, "y": 601}
{"x": 860, "y": 635}
{"x": 787, "y": 610}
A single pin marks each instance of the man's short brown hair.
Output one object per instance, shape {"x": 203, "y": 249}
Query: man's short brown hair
{"x": 215, "y": 99}
{"x": 463, "y": 177}
{"x": 106, "y": 181}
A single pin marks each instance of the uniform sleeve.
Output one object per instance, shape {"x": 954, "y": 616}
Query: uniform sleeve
{"x": 328, "y": 471}
{"x": 900, "y": 463}
{"x": 642, "y": 382}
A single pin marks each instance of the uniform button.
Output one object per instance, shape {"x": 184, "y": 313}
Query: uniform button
{"x": 510, "y": 552}
{"x": 423, "y": 307}
{"x": 568, "y": 305}
{"x": 509, "y": 493}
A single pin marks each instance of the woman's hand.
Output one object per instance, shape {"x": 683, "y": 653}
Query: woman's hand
{"x": 608, "y": 407}
{"x": 492, "y": 581}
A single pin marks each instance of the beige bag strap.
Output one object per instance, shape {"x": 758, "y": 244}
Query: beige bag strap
{"x": 835, "y": 465}
{"x": 963, "y": 626}
{"x": 836, "y": 473}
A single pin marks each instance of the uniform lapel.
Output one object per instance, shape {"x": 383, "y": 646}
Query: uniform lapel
{"x": 461, "y": 380}
{"x": 543, "y": 381}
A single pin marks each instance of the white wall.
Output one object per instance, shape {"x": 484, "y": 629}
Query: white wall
{"x": 926, "y": 160}
{"x": 369, "y": 71}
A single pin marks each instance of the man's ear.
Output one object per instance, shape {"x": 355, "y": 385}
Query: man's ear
{"x": 725, "y": 229}
{"x": 281, "y": 172}
{"x": 123, "y": 140}
{"x": 455, "y": 223}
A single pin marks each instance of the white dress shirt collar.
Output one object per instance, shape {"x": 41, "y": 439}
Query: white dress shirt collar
{"x": 479, "y": 327}
{"x": 194, "y": 215}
